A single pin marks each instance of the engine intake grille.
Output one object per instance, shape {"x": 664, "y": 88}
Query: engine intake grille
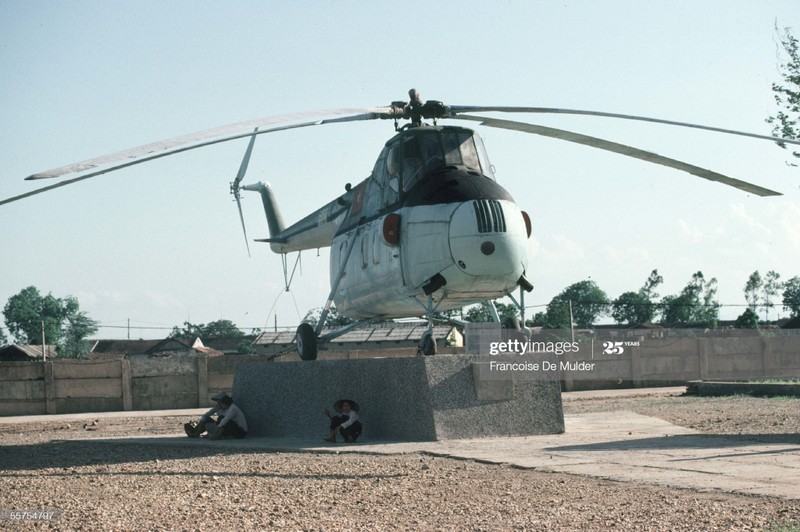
{"x": 490, "y": 217}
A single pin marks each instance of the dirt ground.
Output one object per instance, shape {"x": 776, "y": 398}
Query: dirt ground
{"x": 97, "y": 486}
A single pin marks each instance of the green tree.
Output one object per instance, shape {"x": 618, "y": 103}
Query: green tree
{"x": 752, "y": 290}
{"x": 649, "y": 288}
{"x": 246, "y": 347}
{"x": 638, "y": 307}
{"x": 3, "y": 337}
{"x": 333, "y": 320}
{"x": 28, "y": 315}
{"x": 695, "y": 305}
{"x": 588, "y": 303}
{"x": 632, "y": 308}
{"x": 482, "y": 313}
{"x": 772, "y": 285}
{"x": 214, "y": 329}
{"x": 539, "y": 320}
{"x": 77, "y": 327}
{"x": 791, "y": 296}
{"x": 787, "y": 93}
{"x": 748, "y": 320}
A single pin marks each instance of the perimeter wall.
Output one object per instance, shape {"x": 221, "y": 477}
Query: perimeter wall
{"x": 71, "y": 386}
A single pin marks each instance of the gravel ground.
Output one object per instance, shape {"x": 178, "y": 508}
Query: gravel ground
{"x": 124, "y": 487}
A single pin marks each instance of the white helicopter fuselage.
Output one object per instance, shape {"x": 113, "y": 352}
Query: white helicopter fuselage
{"x": 382, "y": 279}
{"x": 430, "y": 229}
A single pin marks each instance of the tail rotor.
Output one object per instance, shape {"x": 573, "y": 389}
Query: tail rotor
{"x": 236, "y": 189}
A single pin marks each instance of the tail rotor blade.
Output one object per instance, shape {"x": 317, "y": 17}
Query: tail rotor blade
{"x": 235, "y": 185}
{"x": 244, "y": 229}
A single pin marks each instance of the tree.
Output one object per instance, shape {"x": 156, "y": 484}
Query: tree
{"x": 648, "y": 290}
{"x": 787, "y": 95}
{"x": 334, "y": 319}
{"x": 539, "y": 320}
{"x": 78, "y": 327}
{"x": 632, "y": 308}
{"x": 588, "y": 303}
{"x": 791, "y": 296}
{"x": 482, "y": 313}
{"x": 638, "y": 307}
{"x": 29, "y": 316}
{"x": 772, "y": 286}
{"x": 695, "y": 305}
{"x": 748, "y": 320}
{"x": 3, "y": 338}
{"x": 752, "y": 290}
{"x": 214, "y": 329}
{"x": 246, "y": 347}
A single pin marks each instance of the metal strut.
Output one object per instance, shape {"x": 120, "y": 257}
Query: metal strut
{"x": 286, "y": 278}
{"x": 335, "y": 285}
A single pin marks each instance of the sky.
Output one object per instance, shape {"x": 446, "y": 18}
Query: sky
{"x": 149, "y": 247}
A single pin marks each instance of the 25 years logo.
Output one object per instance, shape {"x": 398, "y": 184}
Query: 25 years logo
{"x": 617, "y": 348}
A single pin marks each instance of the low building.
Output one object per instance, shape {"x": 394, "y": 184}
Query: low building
{"x": 26, "y": 353}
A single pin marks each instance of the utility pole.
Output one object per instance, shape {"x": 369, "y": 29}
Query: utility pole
{"x": 44, "y": 345}
{"x": 571, "y": 326}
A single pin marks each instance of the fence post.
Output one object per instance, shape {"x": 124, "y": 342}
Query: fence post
{"x": 702, "y": 358}
{"x": 636, "y": 367}
{"x": 49, "y": 388}
{"x": 127, "y": 385}
{"x": 766, "y": 358}
{"x": 202, "y": 380}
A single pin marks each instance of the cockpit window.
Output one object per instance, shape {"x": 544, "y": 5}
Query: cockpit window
{"x": 460, "y": 149}
{"x": 421, "y": 155}
{"x": 483, "y": 157}
{"x": 423, "y": 152}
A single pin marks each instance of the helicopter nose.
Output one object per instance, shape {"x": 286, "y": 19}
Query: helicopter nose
{"x": 488, "y": 237}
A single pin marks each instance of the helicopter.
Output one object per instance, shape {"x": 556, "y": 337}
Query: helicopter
{"x": 429, "y": 230}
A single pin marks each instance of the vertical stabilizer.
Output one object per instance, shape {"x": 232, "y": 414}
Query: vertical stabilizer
{"x": 271, "y": 210}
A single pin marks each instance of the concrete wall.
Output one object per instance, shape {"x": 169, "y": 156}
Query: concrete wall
{"x": 676, "y": 360}
{"x": 138, "y": 383}
{"x": 406, "y": 399}
{"x": 67, "y": 386}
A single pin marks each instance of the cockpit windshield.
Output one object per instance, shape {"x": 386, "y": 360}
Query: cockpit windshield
{"x": 429, "y": 150}
{"x": 412, "y": 155}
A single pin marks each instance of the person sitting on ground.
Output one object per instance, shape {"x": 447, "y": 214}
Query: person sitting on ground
{"x": 208, "y": 421}
{"x": 346, "y": 422}
{"x": 233, "y": 424}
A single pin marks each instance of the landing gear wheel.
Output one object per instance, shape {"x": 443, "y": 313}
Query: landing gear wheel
{"x": 306, "y": 340}
{"x": 427, "y": 344}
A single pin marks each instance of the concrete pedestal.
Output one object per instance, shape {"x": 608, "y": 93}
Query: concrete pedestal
{"x": 402, "y": 399}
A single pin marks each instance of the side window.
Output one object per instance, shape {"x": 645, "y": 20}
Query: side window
{"x": 376, "y": 248}
{"x": 483, "y": 157}
{"x": 390, "y": 186}
{"x": 364, "y": 251}
{"x": 342, "y": 253}
{"x": 413, "y": 162}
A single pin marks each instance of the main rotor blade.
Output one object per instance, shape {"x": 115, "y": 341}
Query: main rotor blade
{"x": 129, "y": 154}
{"x": 623, "y": 150}
{"x": 245, "y": 161}
{"x": 220, "y": 134}
{"x": 456, "y": 110}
